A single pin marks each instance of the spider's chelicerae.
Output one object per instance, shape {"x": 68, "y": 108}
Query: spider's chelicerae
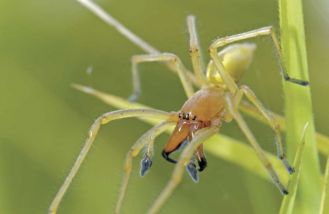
{"x": 200, "y": 116}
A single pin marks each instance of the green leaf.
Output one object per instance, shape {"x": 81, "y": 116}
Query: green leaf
{"x": 288, "y": 201}
{"x": 298, "y": 103}
{"x": 324, "y": 209}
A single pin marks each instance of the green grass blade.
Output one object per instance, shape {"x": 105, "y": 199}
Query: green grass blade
{"x": 298, "y": 105}
{"x": 288, "y": 202}
{"x": 324, "y": 209}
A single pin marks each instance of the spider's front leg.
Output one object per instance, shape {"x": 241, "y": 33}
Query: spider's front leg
{"x": 102, "y": 120}
{"x": 145, "y": 141}
{"x": 184, "y": 160}
{"x": 195, "y": 51}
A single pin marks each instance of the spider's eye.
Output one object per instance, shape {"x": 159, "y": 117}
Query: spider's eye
{"x": 187, "y": 116}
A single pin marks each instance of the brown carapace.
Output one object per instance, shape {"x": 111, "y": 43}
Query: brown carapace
{"x": 204, "y": 109}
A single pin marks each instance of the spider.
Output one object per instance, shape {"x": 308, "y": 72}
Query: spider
{"x": 200, "y": 117}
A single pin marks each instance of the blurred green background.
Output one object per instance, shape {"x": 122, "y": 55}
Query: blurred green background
{"x": 47, "y": 45}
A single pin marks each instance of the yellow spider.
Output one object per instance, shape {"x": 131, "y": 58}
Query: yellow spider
{"x": 200, "y": 117}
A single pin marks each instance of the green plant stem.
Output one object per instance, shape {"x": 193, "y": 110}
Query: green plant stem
{"x": 287, "y": 205}
{"x": 325, "y": 192}
{"x": 298, "y": 106}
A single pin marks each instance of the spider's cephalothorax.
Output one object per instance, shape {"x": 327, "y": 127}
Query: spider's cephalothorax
{"x": 204, "y": 109}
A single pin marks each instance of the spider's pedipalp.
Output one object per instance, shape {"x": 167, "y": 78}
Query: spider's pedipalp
{"x": 192, "y": 171}
{"x": 147, "y": 141}
{"x": 146, "y": 164}
{"x": 184, "y": 159}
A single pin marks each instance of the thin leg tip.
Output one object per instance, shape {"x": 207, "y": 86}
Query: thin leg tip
{"x": 285, "y": 192}
{"x": 134, "y": 97}
{"x": 297, "y": 81}
{"x": 304, "y": 83}
{"x": 291, "y": 170}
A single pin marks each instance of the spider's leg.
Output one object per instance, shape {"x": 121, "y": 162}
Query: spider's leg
{"x": 108, "y": 19}
{"x": 265, "y": 31}
{"x": 111, "y": 21}
{"x": 147, "y": 140}
{"x": 259, "y": 151}
{"x": 250, "y": 95}
{"x": 168, "y": 58}
{"x": 195, "y": 50}
{"x": 184, "y": 160}
{"x": 103, "y": 119}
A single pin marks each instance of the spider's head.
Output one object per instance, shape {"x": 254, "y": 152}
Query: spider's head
{"x": 235, "y": 58}
{"x": 183, "y": 134}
